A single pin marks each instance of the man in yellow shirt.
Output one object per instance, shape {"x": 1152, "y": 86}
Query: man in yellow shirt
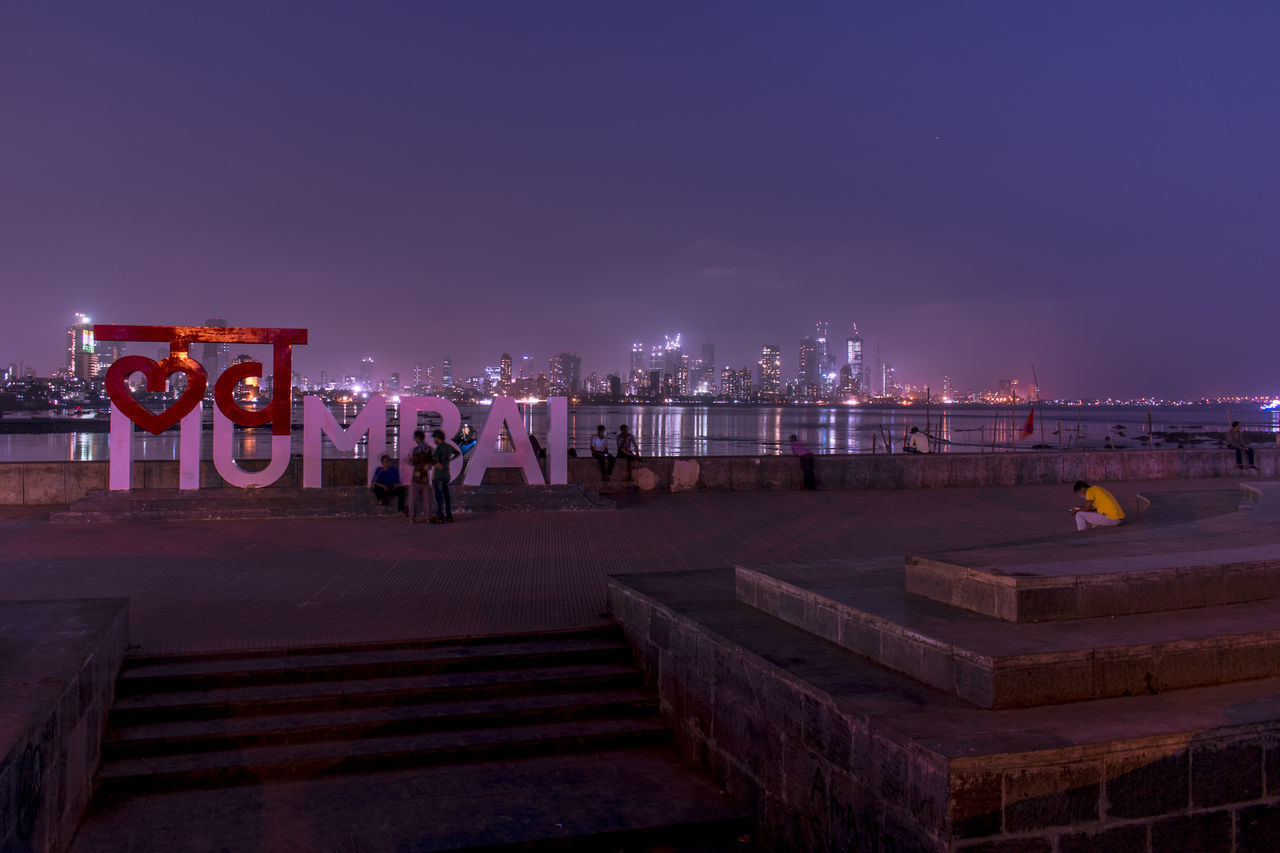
{"x": 1101, "y": 509}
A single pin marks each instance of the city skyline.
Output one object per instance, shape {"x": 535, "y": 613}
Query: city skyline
{"x": 827, "y": 368}
{"x": 979, "y": 192}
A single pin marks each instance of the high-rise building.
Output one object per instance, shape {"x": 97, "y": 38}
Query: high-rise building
{"x": 708, "y": 383}
{"x": 215, "y": 357}
{"x": 847, "y": 386}
{"x": 565, "y": 373}
{"x": 672, "y": 360}
{"x": 808, "y": 375}
{"x": 446, "y": 372}
{"x": 853, "y": 356}
{"x": 493, "y": 379}
{"x": 770, "y": 371}
{"x": 366, "y": 373}
{"x": 82, "y": 355}
{"x": 948, "y": 393}
{"x": 636, "y": 378}
{"x": 504, "y": 374}
{"x": 826, "y": 363}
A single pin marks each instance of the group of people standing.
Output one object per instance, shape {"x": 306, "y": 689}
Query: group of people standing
{"x": 430, "y": 479}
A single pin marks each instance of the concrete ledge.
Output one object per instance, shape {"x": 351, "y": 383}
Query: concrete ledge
{"x": 53, "y": 482}
{"x": 58, "y": 666}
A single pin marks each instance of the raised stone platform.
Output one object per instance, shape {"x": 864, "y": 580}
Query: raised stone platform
{"x": 856, "y": 715}
{"x": 333, "y": 502}
{"x": 58, "y": 665}
{"x": 1205, "y": 562}
{"x": 863, "y": 607}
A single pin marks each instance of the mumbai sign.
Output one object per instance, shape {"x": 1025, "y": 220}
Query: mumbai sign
{"x": 187, "y": 412}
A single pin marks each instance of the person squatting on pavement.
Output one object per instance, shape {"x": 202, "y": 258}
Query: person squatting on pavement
{"x": 1101, "y": 509}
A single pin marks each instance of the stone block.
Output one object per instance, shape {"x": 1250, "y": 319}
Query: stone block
{"x": 1046, "y": 603}
{"x": 684, "y": 475}
{"x": 1125, "y": 672}
{"x": 1130, "y": 838}
{"x": 11, "y": 483}
{"x": 1041, "y": 797}
{"x": 859, "y": 635}
{"x": 1072, "y": 467}
{"x": 44, "y": 483}
{"x": 885, "y": 472}
{"x": 1258, "y": 829}
{"x": 976, "y": 800}
{"x": 158, "y": 474}
{"x": 1271, "y": 766}
{"x": 82, "y": 477}
{"x": 1224, "y": 773}
{"x": 1200, "y": 832}
{"x": 857, "y": 471}
{"x": 822, "y": 621}
{"x": 1148, "y": 783}
{"x": 961, "y": 469}
{"x": 1011, "y": 845}
{"x": 715, "y": 474}
{"x": 744, "y": 474}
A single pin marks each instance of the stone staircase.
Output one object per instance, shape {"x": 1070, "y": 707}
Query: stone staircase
{"x": 322, "y": 731}
{"x": 216, "y": 504}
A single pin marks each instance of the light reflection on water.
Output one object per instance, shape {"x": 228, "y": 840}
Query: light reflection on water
{"x": 729, "y": 430}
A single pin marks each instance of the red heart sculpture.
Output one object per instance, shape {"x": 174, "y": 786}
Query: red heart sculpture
{"x": 157, "y": 374}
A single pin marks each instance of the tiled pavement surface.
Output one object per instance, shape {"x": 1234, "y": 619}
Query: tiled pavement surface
{"x": 197, "y": 586}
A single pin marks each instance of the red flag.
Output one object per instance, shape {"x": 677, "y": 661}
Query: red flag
{"x": 1029, "y": 427}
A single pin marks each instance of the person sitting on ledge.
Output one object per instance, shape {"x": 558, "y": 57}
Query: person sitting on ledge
{"x": 387, "y": 485}
{"x": 1101, "y": 509}
{"x": 918, "y": 442}
{"x": 627, "y": 448}
{"x": 600, "y": 450}
{"x": 1236, "y": 442}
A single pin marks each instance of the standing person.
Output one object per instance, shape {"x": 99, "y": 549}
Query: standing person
{"x": 918, "y": 442}
{"x": 444, "y": 454}
{"x": 805, "y": 455}
{"x": 422, "y": 458}
{"x": 1101, "y": 509}
{"x": 627, "y": 447}
{"x": 1235, "y": 441}
{"x": 600, "y": 450}
{"x": 387, "y": 485}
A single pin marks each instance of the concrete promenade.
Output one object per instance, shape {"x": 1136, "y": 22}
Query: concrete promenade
{"x": 198, "y": 586}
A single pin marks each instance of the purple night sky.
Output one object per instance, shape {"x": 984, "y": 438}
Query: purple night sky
{"x": 1088, "y": 186}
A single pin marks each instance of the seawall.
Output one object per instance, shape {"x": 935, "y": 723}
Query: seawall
{"x": 38, "y": 483}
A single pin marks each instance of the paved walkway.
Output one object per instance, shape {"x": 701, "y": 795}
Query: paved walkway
{"x": 257, "y": 584}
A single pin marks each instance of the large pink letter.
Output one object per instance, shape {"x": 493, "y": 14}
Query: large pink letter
{"x": 317, "y": 420}
{"x": 503, "y": 412}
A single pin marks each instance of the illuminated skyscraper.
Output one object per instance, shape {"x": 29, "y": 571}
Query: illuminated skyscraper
{"x": 853, "y": 356}
{"x": 826, "y": 379}
{"x": 565, "y": 373}
{"x": 82, "y": 357}
{"x": 770, "y": 371}
{"x": 446, "y": 372}
{"x": 504, "y": 374}
{"x": 808, "y": 376}
{"x": 366, "y": 372}
{"x": 707, "y": 383}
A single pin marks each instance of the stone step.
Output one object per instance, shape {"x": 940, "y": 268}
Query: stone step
{"x": 190, "y": 736}
{"x": 138, "y": 678}
{"x": 861, "y": 606}
{"x": 1224, "y": 559}
{"x": 637, "y": 800}
{"x": 308, "y": 760}
{"x": 610, "y": 632}
{"x": 258, "y": 700}
{"x": 289, "y": 502}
